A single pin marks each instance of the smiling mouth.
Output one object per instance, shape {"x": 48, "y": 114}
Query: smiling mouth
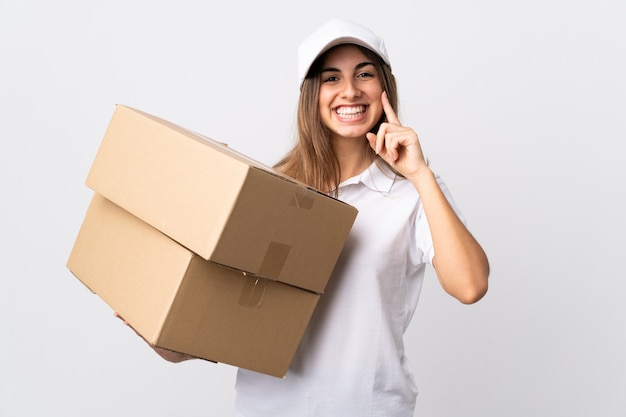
{"x": 350, "y": 112}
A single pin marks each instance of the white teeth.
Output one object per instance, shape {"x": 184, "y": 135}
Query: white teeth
{"x": 350, "y": 111}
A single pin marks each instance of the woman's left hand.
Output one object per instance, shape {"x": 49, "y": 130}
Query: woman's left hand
{"x": 398, "y": 145}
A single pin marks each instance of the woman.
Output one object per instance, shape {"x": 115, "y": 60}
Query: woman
{"x": 351, "y": 144}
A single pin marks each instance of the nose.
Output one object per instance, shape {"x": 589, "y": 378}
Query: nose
{"x": 350, "y": 89}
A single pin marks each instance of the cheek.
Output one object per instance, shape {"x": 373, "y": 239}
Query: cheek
{"x": 324, "y": 106}
{"x": 324, "y": 99}
{"x": 376, "y": 105}
{"x": 377, "y": 112}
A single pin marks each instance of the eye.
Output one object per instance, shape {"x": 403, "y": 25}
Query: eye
{"x": 330, "y": 79}
{"x": 365, "y": 74}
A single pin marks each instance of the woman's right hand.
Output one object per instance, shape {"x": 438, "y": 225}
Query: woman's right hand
{"x": 168, "y": 355}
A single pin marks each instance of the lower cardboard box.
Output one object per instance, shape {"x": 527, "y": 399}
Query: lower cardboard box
{"x": 176, "y": 300}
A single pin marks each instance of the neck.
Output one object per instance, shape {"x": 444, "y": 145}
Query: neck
{"x": 352, "y": 155}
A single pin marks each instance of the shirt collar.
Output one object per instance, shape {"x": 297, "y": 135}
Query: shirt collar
{"x": 377, "y": 177}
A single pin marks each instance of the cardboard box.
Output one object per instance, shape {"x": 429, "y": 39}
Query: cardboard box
{"x": 218, "y": 203}
{"x": 179, "y": 301}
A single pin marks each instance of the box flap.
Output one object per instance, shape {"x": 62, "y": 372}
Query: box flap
{"x": 282, "y": 231}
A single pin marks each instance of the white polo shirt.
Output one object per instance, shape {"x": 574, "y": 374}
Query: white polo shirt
{"x": 351, "y": 361}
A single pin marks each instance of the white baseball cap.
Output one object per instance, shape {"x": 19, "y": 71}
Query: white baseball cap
{"x": 336, "y": 32}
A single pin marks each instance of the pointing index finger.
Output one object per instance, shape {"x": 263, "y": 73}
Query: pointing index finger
{"x": 389, "y": 112}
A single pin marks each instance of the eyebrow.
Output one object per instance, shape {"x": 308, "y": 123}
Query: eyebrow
{"x": 357, "y": 67}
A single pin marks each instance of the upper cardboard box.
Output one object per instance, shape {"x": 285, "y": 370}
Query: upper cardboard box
{"x": 218, "y": 203}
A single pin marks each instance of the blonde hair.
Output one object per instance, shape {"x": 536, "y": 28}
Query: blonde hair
{"x": 312, "y": 159}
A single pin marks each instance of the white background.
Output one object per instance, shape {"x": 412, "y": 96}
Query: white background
{"x": 520, "y": 106}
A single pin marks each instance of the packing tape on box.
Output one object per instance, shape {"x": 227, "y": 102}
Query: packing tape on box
{"x": 303, "y": 199}
{"x": 253, "y": 291}
{"x": 274, "y": 260}
{"x": 254, "y": 285}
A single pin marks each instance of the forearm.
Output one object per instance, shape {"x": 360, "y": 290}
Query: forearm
{"x": 460, "y": 262}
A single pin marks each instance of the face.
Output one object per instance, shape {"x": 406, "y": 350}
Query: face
{"x": 350, "y": 93}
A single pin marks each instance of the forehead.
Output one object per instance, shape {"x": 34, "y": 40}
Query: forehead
{"x": 347, "y": 54}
